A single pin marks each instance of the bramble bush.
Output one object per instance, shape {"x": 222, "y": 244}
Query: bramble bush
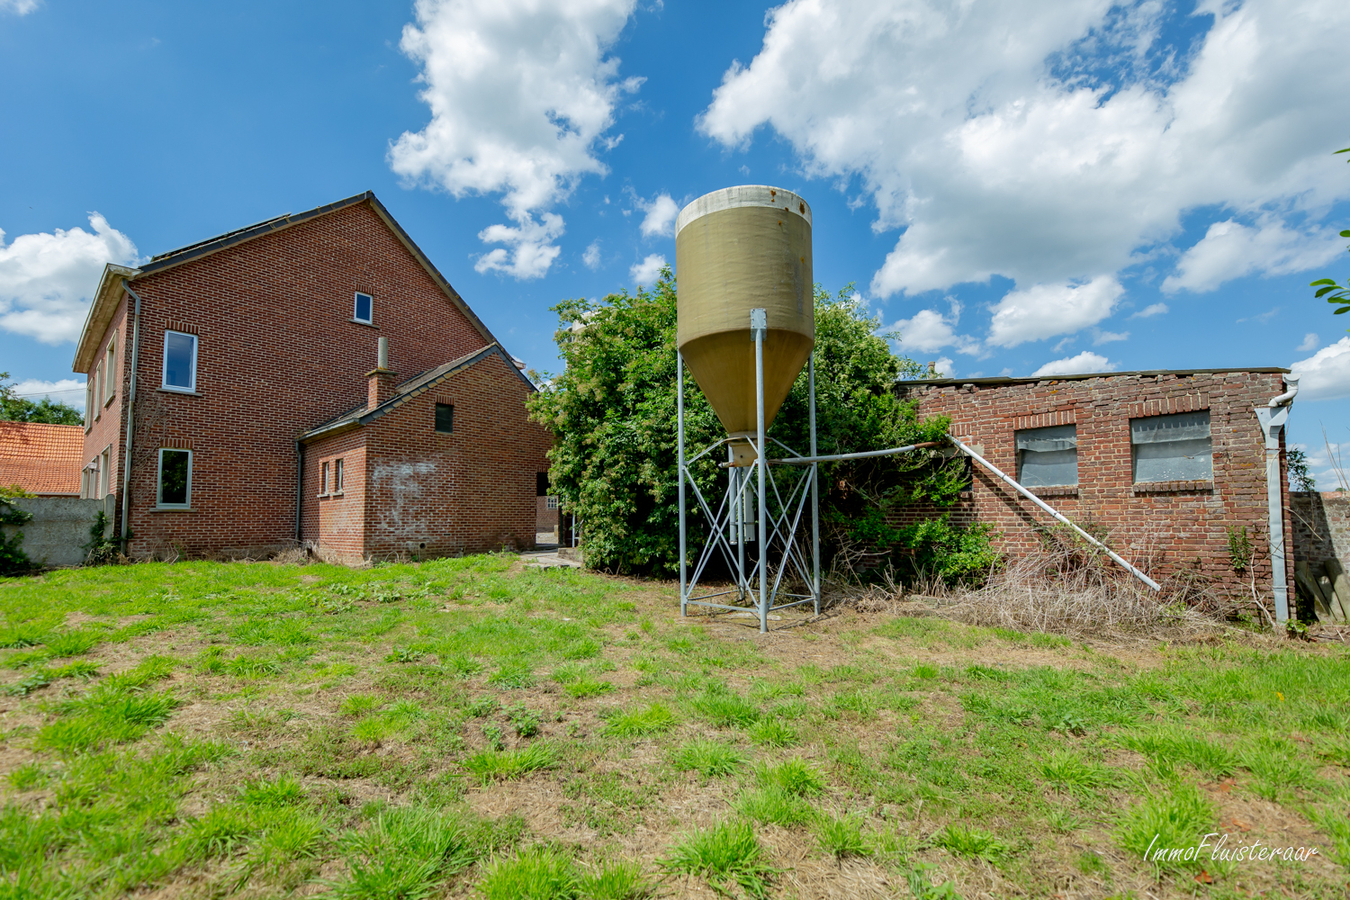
{"x": 613, "y": 413}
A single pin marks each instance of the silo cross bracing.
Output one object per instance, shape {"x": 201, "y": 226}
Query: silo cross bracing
{"x": 738, "y": 249}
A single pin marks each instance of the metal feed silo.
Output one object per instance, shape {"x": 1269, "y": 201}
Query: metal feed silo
{"x": 746, "y": 328}
{"x": 736, "y": 250}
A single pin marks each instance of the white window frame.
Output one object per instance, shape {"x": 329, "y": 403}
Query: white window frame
{"x": 338, "y": 474}
{"x": 98, "y": 389}
{"x": 356, "y": 299}
{"x": 159, "y": 480}
{"x": 323, "y": 478}
{"x": 104, "y": 472}
{"x": 90, "y": 402}
{"x": 110, "y": 363}
{"x": 164, "y": 366}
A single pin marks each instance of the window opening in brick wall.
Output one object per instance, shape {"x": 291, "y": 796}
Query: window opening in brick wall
{"x": 175, "y": 479}
{"x": 105, "y": 472}
{"x": 1172, "y": 448}
{"x": 89, "y": 404}
{"x": 1048, "y": 457}
{"x": 98, "y": 390}
{"x": 541, "y": 484}
{"x": 110, "y": 366}
{"x": 445, "y": 418}
{"x": 180, "y": 361}
{"x": 363, "y": 308}
{"x": 337, "y": 476}
{"x": 323, "y": 479}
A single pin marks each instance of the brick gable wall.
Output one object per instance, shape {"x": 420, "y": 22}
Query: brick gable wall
{"x": 278, "y": 355}
{"x": 1166, "y": 529}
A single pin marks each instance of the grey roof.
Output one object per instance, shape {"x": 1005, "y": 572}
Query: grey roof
{"x": 419, "y": 384}
{"x": 1032, "y": 379}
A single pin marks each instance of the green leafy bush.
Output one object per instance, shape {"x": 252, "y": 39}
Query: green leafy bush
{"x": 613, "y": 413}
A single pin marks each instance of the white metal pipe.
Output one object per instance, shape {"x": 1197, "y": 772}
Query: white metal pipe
{"x": 759, "y": 325}
{"x": 679, "y": 465}
{"x": 1045, "y": 506}
{"x": 125, "y": 536}
{"x": 815, "y": 488}
{"x": 1291, "y": 382}
{"x": 1272, "y": 419}
{"x": 861, "y": 454}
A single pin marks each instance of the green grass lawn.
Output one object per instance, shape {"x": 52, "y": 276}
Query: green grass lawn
{"x": 471, "y": 727}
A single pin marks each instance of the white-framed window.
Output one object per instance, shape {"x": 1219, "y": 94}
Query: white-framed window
{"x": 180, "y": 362}
{"x": 1172, "y": 448}
{"x": 323, "y": 479}
{"x": 337, "y": 476}
{"x": 175, "y": 479}
{"x": 110, "y": 369}
{"x": 104, "y": 473}
{"x": 89, "y": 404}
{"x": 551, "y": 502}
{"x": 1048, "y": 457}
{"x": 98, "y": 390}
{"x": 89, "y": 480}
{"x": 363, "y": 308}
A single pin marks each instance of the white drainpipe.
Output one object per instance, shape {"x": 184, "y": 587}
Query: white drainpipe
{"x": 1272, "y": 417}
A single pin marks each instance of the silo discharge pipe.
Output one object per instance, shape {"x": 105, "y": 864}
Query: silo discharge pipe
{"x": 1052, "y": 511}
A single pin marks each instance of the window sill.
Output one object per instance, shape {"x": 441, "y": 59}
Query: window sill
{"x": 108, "y": 402}
{"x": 160, "y": 509}
{"x": 332, "y": 495}
{"x": 1054, "y": 490}
{"x": 365, "y": 323}
{"x": 174, "y": 390}
{"x": 1174, "y": 487}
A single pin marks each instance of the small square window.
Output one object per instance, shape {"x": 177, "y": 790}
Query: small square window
{"x": 180, "y": 362}
{"x": 1048, "y": 457}
{"x": 1172, "y": 448}
{"x": 445, "y": 418}
{"x": 337, "y": 476}
{"x": 550, "y": 502}
{"x": 363, "y": 308}
{"x": 323, "y": 480}
{"x": 175, "y": 479}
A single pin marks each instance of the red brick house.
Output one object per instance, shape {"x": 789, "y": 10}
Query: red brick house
{"x": 41, "y": 459}
{"x": 240, "y": 377}
{"x": 1164, "y": 462}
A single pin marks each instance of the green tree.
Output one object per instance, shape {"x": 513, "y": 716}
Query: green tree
{"x": 1338, "y": 294}
{"x": 613, "y": 413}
{"x": 14, "y": 408}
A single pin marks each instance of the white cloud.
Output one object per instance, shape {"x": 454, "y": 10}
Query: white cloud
{"x": 1083, "y": 363}
{"x": 592, "y": 255}
{"x": 521, "y": 96}
{"x": 1326, "y": 374}
{"x": 1310, "y": 342}
{"x": 531, "y": 245}
{"x": 46, "y": 280}
{"x": 18, "y": 7}
{"x": 1230, "y": 250}
{"x": 945, "y": 367}
{"x": 1153, "y": 309}
{"x": 985, "y": 131}
{"x": 1100, "y": 337}
{"x": 929, "y": 330}
{"x": 1050, "y": 309}
{"x": 69, "y": 391}
{"x": 647, "y": 271}
{"x": 660, "y": 218}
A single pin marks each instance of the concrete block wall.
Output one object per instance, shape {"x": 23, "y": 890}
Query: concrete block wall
{"x": 58, "y": 533}
{"x": 1167, "y": 529}
{"x": 1321, "y": 526}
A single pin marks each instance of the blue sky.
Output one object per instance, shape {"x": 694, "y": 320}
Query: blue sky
{"x": 1016, "y": 187}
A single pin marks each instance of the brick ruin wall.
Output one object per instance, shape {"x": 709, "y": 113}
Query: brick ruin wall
{"x": 1170, "y": 529}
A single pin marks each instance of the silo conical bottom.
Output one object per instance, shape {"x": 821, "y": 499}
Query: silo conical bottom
{"x": 723, "y": 364}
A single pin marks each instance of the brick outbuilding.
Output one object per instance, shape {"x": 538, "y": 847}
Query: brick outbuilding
{"x": 1166, "y": 464}
{"x": 231, "y": 369}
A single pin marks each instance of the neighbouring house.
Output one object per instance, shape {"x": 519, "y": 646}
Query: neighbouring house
{"x": 44, "y": 460}
{"x": 309, "y": 380}
{"x": 1169, "y": 465}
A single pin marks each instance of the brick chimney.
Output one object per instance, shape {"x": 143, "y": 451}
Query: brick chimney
{"x": 381, "y": 378}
